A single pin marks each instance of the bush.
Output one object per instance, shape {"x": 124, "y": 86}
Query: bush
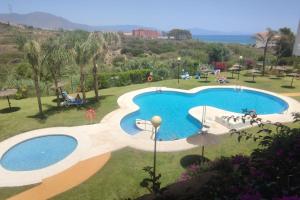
{"x": 272, "y": 171}
{"x": 107, "y": 80}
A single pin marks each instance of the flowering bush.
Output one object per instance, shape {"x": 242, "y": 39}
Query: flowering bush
{"x": 272, "y": 171}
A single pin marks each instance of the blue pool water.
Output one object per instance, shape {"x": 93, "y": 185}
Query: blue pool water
{"x": 38, "y": 152}
{"x": 173, "y": 108}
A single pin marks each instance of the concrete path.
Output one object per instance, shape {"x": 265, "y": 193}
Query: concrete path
{"x": 293, "y": 94}
{"x": 65, "y": 180}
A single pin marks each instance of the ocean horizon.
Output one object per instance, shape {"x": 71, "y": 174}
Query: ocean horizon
{"x": 234, "y": 39}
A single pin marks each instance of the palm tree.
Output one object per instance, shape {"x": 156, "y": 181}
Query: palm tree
{"x": 82, "y": 58}
{"x": 57, "y": 56}
{"x": 96, "y": 42}
{"x": 265, "y": 38}
{"x": 101, "y": 46}
{"x": 33, "y": 54}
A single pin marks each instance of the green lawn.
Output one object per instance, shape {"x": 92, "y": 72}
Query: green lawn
{"x": 120, "y": 177}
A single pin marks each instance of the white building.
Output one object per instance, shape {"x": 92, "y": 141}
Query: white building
{"x": 296, "y": 51}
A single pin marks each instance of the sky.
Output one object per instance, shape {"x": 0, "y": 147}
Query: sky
{"x": 240, "y": 16}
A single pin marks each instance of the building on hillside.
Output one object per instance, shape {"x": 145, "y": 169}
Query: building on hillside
{"x": 146, "y": 33}
{"x": 296, "y": 51}
{"x": 128, "y": 34}
{"x": 261, "y": 44}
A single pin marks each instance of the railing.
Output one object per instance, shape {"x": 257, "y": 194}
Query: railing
{"x": 144, "y": 125}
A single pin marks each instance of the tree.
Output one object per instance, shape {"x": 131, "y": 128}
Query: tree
{"x": 180, "y": 34}
{"x": 82, "y": 58}
{"x": 284, "y": 45}
{"x": 96, "y": 43}
{"x": 265, "y": 38}
{"x": 56, "y": 57}
{"x": 217, "y": 53}
{"x": 101, "y": 46}
{"x": 33, "y": 54}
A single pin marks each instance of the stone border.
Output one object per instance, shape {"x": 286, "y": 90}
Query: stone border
{"x": 107, "y": 136}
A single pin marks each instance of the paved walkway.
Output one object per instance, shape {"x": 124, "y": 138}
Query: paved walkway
{"x": 65, "y": 180}
{"x": 294, "y": 94}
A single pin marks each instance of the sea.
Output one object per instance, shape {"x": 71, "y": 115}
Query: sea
{"x": 234, "y": 39}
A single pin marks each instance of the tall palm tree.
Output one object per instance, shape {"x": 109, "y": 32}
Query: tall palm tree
{"x": 101, "y": 45}
{"x": 97, "y": 43}
{"x": 265, "y": 38}
{"x": 82, "y": 58}
{"x": 32, "y": 51}
{"x": 56, "y": 57}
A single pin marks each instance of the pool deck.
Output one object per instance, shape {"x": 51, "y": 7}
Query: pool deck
{"x": 107, "y": 136}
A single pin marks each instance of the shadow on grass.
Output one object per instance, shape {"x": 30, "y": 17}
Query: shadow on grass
{"x": 288, "y": 86}
{"x": 53, "y": 109}
{"x": 275, "y": 78}
{"x": 189, "y": 160}
{"x": 250, "y": 81}
{"x": 9, "y": 110}
{"x": 229, "y": 77}
{"x": 204, "y": 81}
{"x": 55, "y": 100}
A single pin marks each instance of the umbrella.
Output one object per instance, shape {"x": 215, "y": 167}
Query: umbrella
{"x": 233, "y": 69}
{"x": 254, "y": 72}
{"x": 206, "y": 71}
{"x": 6, "y": 93}
{"x": 293, "y": 75}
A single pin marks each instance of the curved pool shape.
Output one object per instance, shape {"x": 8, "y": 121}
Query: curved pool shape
{"x": 38, "y": 152}
{"x": 173, "y": 107}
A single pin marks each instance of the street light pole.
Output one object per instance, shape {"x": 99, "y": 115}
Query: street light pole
{"x": 156, "y": 121}
{"x": 178, "y": 59}
{"x": 240, "y": 67}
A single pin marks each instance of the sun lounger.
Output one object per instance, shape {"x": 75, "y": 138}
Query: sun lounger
{"x": 231, "y": 123}
{"x": 69, "y": 100}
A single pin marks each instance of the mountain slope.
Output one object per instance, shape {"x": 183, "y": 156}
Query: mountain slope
{"x": 52, "y": 22}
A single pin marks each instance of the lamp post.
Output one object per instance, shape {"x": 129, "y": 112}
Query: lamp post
{"x": 178, "y": 59}
{"x": 155, "y": 121}
{"x": 240, "y": 67}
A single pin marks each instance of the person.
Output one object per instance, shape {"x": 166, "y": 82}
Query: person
{"x": 77, "y": 98}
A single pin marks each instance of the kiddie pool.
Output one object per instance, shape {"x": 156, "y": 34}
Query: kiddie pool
{"x": 38, "y": 152}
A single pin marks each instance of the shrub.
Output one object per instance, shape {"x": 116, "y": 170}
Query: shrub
{"x": 123, "y": 78}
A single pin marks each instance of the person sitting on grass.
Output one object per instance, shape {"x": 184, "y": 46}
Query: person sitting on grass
{"x": 78, "y": 99}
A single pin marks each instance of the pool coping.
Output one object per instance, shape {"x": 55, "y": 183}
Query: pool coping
{"x": 107, "y": 136}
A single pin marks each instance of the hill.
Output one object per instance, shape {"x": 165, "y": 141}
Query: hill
{"x": 52, "y": 22}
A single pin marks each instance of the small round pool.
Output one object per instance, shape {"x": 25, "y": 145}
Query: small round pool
{"x": 39, "y": 152}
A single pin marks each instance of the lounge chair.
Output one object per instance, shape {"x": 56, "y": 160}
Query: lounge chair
{"x": 222, "y": 80}
{"x": 70, "y": 101}
{"x": 185, "y": 76}
{"x": 197, "y": 75}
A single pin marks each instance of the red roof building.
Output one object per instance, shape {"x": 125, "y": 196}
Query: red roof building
{"x": 145, "y": 33}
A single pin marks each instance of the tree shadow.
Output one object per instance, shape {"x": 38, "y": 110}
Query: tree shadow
{"x": 189, "y": 160}
{"x": 275, "y": 78}
{"x": 204, "y": 81}
{"x": 9, "y": 110}
{"x": 288, "y": 87}
{"x": 250, "y": 81}
{"x": 53, "y": 109}
{"x": 55, "y": 100}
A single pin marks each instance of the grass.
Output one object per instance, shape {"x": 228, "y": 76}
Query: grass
{"x": 121, "y": 176}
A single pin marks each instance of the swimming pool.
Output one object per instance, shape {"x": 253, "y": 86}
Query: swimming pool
{"x": 38, "y": 152}
{"x": 173, "y": 107}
